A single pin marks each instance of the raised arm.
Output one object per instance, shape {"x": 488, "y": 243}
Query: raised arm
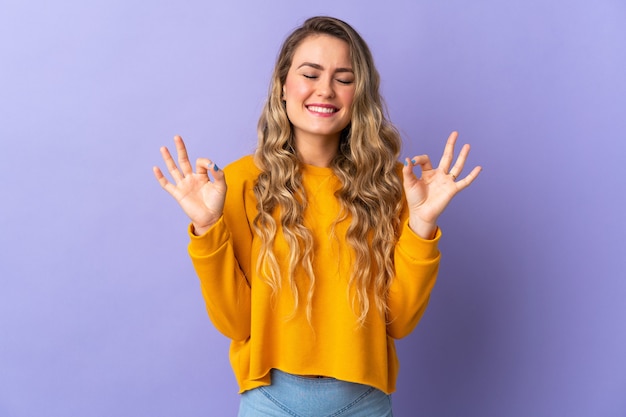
{"x": 417, "y": 256}
{"x": 224, "y": 286}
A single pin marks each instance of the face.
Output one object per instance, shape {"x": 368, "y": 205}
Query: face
{"x": 319, "y": 90}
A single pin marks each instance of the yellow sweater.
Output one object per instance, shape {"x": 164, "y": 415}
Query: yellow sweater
{"x": 263, "y": 333}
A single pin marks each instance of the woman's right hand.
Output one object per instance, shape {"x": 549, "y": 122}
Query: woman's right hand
{"x": 200, "y": 198}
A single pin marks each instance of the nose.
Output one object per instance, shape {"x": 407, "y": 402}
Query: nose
{"x": 325, "y": 87}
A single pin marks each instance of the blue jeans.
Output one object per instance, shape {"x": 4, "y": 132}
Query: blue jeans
{"x": 297, "y": 396}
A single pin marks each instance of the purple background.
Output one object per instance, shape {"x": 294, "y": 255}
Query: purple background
{"x": 100, "y": 311}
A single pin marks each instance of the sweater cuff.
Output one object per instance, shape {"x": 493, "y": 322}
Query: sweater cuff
{"x": 210, "y": 241}
{"x": 412, "y": 244}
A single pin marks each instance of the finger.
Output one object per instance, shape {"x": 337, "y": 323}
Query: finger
{"x": 448, "y": 152}
{"x": 159, "y": 175}
{"x": 469, "y": 178}
{"x": 455, "y": 171}
{"x": 183, "y": 158}
{"x": 165, "y": 184}
{"x": 407, "y": 171}
{"x": 219, "y": 179}
{"x": 423, "y": 161}
{"x": 205, "y": 166}
{"x": 170, "y": 164}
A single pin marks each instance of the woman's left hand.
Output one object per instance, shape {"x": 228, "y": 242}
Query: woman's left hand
{"x": 428, "y": 196}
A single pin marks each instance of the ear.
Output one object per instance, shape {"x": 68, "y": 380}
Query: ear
{"x": 282, "y": 97}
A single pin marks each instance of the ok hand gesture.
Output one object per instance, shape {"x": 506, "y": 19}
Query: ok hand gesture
{"x": 201, "y": 199}
{"x": 428, "y": 196}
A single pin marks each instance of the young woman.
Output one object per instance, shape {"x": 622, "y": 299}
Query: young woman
{"x": 322, "y": 248}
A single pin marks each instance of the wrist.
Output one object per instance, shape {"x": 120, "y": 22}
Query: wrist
{"x": 199, "y": 230}
{"x": 425, "y": 230}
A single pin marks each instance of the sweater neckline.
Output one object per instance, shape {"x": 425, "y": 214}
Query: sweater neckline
{"x": 317, "y": 171}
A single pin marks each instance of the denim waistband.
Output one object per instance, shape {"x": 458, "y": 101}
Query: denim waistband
{"x": 298, "y": 396}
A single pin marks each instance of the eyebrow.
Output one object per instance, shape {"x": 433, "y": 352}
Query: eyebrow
{"x": 319, "y": 67}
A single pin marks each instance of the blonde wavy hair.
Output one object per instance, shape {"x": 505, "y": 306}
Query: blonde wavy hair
{"x": 366, "y": 166}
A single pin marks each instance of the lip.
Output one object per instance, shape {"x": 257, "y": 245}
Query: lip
{"x": 322, "y": 109}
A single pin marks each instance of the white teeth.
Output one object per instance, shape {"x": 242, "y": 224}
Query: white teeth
{"x": 321, "y": 109}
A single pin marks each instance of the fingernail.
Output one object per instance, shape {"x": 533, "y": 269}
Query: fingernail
{"x": 412, "y": 161}
{"x": 215, "y": 167}
{"x": 406, "y": 162}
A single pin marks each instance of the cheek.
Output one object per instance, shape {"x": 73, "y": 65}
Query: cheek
{"x": 348, "y": 99}
{"x": 293, "y": 88}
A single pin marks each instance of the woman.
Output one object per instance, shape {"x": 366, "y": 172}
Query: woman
{"x": 322, "y": 249}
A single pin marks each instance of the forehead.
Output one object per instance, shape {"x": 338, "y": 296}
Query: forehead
{"x": 324, "y": 50}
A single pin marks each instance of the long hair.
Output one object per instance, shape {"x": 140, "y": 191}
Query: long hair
{"x": 370, "y": 194}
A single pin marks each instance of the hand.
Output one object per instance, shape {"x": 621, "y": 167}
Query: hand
{"x": 201, "y": 199}
{"x": 428, "y": 196}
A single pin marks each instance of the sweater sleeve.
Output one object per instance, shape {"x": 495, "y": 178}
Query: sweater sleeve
{"x": 224, "y": 286}
{"x": 221, "y": 257}
{"x": 417, "y": 264}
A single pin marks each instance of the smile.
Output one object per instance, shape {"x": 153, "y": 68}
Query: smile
{"x": 322, "y": 109}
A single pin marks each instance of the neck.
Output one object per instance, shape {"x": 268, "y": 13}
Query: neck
{"x": 317, "y": 151}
